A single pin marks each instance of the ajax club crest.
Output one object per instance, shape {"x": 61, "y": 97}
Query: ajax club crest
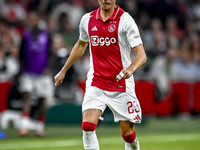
{"x": 111, "y": 28}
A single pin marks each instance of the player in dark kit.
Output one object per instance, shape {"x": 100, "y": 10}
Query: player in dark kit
{"x": 111, "y": 34}
{"x": 35, "y": 79}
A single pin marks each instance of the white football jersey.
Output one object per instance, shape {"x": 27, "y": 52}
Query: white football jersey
{"x": 110, "y": 48}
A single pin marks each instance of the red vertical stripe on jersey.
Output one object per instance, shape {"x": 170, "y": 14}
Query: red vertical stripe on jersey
{"x": 105, "y": 51}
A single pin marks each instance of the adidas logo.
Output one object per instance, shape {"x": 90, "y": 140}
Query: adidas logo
{"x": 94, "y": 29}
{"x": 137, "y": 118}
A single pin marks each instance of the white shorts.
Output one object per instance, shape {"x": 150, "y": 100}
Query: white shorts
{"x": 124, "y": 106}
{"x": 40, "y": 85}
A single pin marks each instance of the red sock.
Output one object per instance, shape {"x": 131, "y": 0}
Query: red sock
{"x": 41, "y": 119}
{"x": 88, "y": 126}
{"x": 25, "y": 114}
{"x": 129, "y": 138}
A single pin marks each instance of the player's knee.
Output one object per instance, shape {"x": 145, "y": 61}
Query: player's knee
{"x": 88, "y": 126}
{"x": 129, "y": 138}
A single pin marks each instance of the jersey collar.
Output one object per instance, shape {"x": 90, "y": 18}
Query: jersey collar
{"x": 114, "y": 15}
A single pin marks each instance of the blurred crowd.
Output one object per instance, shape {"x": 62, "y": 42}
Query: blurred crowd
{"x": 170, "y": 30}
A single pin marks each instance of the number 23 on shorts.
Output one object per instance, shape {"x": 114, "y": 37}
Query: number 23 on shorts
{"x": 131, "y": 107}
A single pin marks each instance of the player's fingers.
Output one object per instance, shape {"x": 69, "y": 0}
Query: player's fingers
{"x": 120, "y": 76}
{"x": 126, "y": 76}
{"x": 58, "y": 82}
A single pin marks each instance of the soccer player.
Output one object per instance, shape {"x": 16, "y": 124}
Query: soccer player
{"x": 35, "y": 68}
{"x": 111, "y": 34}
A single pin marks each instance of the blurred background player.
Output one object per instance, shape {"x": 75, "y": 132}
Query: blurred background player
{"x": 35, "y": 56}
{"x": 112, "y": 34}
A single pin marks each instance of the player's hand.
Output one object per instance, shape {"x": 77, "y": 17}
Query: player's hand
{"x": 125, "y": 73}
{"x": 59, "y": 78}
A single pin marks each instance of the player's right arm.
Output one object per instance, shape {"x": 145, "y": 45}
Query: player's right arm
{"x": 77, "y": 51}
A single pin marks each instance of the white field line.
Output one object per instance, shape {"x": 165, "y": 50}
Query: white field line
{"x": 103, "y": 141}
{"x": 28, "y": 145}
{"x": 155, "y": 138}
{"x": 172, "y": 138}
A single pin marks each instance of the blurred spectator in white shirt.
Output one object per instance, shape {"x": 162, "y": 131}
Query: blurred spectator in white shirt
{"x": 9, "y": 65}
{"x": 12, "y": 11}
{"x": 161, "y": 72}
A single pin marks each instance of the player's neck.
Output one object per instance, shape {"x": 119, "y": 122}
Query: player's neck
{"x": 105, "y": 14}
{"x": 35, "y": 31}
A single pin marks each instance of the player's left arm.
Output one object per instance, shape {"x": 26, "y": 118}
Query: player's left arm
{"x": 138, "y": 61}
{"x": 133, "y": 37}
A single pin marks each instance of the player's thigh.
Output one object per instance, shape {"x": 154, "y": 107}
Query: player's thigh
{"x": 127, "y": 127}
{"x": 93, "y": 104}
{"x": 26, "y": 83}
{"x": 92, "y": 115}
{"x": 44, "y": 86}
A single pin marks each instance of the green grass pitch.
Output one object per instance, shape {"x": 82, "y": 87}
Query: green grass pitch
{"x": 153, "y": 134}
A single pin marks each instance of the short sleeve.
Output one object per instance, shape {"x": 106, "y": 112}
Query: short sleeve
{"x": 83, "y": 27}
{"x": 131, "y": 30}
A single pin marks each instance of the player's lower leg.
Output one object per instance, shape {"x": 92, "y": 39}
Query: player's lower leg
{"x": 90, "y": 140}
{"x": 39, "y": 131}
{"x": 129, "y": 135}
{"x": 25, "y": 121}
{"x": 131, "y": 142}
{"x": 41, "y": 121}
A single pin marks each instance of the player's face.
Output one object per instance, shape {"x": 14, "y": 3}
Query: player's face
{"x": 107, "y": 4}
{"x": 34, "y": 20}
